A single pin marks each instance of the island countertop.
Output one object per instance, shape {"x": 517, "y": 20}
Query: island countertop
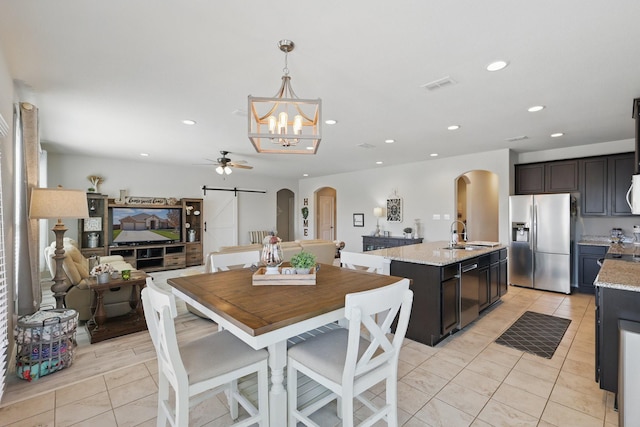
{"x": 434, "y": 253}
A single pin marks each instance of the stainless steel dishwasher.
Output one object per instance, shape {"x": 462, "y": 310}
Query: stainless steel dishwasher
{"x": 469, "y": 284}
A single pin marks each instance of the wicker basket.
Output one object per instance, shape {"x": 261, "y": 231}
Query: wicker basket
{"x": 45, "y": 342}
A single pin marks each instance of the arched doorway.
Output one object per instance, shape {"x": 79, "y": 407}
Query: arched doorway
{"x": 477, "y": 204}
{"x": 325, "y": 202}
{"x": 285, "y": 207}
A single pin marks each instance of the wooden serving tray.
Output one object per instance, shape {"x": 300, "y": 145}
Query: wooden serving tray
{"x": 260, "y": 278}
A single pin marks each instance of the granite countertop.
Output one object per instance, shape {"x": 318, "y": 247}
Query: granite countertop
{"x": 433, "y": 253}
{"x": 619, "y": 274}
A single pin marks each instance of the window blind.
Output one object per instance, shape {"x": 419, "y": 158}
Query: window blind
{"x": 4, "y": 294}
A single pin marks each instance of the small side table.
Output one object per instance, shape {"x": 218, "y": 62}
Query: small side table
{"x": 102, "y": 328}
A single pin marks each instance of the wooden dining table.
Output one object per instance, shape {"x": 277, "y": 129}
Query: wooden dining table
{"x": 266, "y": 316}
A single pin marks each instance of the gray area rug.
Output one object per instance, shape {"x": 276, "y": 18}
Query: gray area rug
{"x": 535, "y": 333}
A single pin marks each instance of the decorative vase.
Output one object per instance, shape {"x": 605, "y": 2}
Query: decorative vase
{"x": 303, "y": 270}
{"x": 103, "y": 278}
{"x": 272, "y": 257}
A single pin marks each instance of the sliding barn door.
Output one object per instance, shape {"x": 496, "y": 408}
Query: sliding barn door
{"x": 221, "y": 220}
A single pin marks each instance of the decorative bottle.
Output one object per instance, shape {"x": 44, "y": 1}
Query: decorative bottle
{"x": 272, "y": 255}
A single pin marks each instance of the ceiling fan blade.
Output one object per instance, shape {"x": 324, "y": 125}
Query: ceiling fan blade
{"x": 236, "y": 165}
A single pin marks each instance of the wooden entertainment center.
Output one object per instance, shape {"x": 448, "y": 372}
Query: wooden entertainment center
{"x": 95, "y": 234}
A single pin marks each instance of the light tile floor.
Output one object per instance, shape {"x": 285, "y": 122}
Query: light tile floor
{"x": 466, "y": 380}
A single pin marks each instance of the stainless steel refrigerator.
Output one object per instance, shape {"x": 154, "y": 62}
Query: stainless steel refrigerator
{"x": 541, "y": 242}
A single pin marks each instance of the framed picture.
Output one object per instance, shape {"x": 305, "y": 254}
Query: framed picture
{"x": 358, "y": 220}
{"x": 394, "y": 210}
{"x": 93, "y": 224}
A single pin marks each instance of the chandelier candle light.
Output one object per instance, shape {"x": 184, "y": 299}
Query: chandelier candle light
{"x": 285, "y": 124}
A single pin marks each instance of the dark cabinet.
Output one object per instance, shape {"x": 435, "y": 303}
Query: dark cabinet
{"x": 489, "y": 289}
{"x": 530, "y": 178}
{"x": 611, "y": 306}
{"x": 503, "y": 284}
{"x": 450, "y": 298}
{"x": 483, "y": 287}
{"x": 561, "y": 177}
{"x": 426, "y": 311}
{"x": 621, "y": 169}
{"x": 593, "y": 186}
{"x": 604, "y": 182}
{"x": 547, "y": 177}
{"x": 588, "y": 267}
{"x": 371, "y": 243}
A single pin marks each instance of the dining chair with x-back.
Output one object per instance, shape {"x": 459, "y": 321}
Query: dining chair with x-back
{"x": 348, "y": 364}
{"x": 201, "y": 368}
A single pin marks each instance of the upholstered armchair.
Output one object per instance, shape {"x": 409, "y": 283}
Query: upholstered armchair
{"x": 76, "y": 268}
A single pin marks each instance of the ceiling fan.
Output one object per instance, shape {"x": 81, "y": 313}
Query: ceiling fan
{"x": 225, "y": 164}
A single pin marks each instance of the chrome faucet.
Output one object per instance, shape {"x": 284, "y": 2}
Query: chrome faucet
{"x": 464, "y": 231}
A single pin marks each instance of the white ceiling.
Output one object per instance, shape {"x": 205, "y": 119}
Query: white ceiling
{"x": 116, "y": 78}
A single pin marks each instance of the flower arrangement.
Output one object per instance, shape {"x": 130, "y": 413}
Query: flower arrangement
{"x": 95, "y": 181}
{"x": 303, "y": 260}
{"x": 101, "y": 269}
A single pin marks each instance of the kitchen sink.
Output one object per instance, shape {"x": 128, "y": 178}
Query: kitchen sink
{"x": 465, "y": 247}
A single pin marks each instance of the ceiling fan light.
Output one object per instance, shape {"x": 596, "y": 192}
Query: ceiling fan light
{"x": 220, "y": 170}
{"x": 227, "y": 170}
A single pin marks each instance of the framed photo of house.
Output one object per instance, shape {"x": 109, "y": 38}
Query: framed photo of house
{"x": 394, "y": 209}
{"x": 358, "y": 220}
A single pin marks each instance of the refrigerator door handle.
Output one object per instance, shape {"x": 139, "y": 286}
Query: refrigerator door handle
{"x": 534, "y": 240}
{"x": 533, "y": 227}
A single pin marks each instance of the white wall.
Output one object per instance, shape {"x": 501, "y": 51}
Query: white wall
{"x": 141, "y": 177}
{"x": 427, "y": 188}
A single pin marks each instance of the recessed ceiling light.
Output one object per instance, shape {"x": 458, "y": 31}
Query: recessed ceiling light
{"x": 497, "y": 65}
{"x": 309, "y": 148}
{"x": 189, "y": 122}
{"x": 536, "y": 108}
{"x": 378, "y": 163}
{"x": 305, "y": 174}
{"x": 434, "y": 154}
{"x": 454, "y": 127}
{"x": 331, "y": 122}
{"x": 557, "y": 134}
{"x": 144, "y": 154}
{"x": 389, "y": 141}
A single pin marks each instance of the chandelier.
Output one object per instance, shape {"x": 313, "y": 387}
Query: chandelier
{"x": 285, "y": 123}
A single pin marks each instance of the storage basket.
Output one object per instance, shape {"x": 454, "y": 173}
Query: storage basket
{"x": 45, "y": 342}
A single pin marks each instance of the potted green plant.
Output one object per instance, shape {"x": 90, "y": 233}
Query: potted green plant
{"x": 303, "y": 262}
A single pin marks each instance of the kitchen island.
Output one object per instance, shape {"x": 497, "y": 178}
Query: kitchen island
{"x": 617, "y": 298}
{"x": 451, "y": 287}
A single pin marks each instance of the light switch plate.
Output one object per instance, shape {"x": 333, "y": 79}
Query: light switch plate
{"x": 447, "y": 216}
{"x": 436, "y": 216}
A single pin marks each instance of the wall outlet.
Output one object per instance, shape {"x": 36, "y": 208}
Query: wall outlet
{"x": 436, "y": 216}
{"x": 447, "y": 216}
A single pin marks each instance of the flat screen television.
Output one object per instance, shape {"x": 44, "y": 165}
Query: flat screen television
{"x": 148, "y": 225}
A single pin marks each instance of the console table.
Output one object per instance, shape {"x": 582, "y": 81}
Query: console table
{"x": 370, "y": 243}
{"x": 102, "y": 328}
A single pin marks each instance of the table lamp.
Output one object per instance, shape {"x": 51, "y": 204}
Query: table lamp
{"x": 377, "y": 212}
{"x": 52, "y": 203}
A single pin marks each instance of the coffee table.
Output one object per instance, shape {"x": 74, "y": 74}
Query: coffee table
{"x": 102, "y": 328}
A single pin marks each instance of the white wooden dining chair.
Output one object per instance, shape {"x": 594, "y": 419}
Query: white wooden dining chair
{"x": 359, "y": 261}
{"x": 200, "y": 368}
{"x": 224, "y": 261}
{"x": 348, "y": 364}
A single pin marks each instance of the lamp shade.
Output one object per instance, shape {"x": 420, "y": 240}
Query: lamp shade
{"x": 58, "y": 203}
{"x": 377, "y": 212}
